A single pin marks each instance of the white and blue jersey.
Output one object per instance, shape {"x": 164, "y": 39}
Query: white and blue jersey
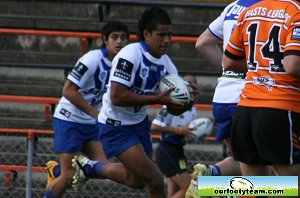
{"x": 91, "y": 75}
{"x": 230, "y": 84}
{"x": 135, "y": 68}
{"x": 164, "y": 119}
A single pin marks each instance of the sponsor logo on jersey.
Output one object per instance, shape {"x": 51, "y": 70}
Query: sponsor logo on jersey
{"x": 296, "y": 33}
{"x": 231, "y": 74}
{"x": 264, "y": 80}
{"x": 113, "y": 122}
{"x": 163, "y": 112}
{"x": 123, "y": 69}
{"x": 144, "y": 72}
{"x": 234, "y": 12}
{"x": 277, "y": 68}
{"x": 103, "y": 75}
{"x": 65, "y": 112}
{"x": 79, "y": 71}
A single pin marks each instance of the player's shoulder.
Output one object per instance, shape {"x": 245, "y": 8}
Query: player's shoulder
{"x": 130, "y": 52}
{"x": 131, "y": 48}
{"x": 294, "y": 8}
{"x": 93, "y": 56}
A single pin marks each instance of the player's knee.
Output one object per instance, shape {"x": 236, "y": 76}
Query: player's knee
{"x": 156, "y": 182}
{"x": 136, "y": 184}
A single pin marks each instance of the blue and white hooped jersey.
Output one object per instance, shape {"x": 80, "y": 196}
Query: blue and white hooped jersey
{"x": 164, "y": 119}
{"x": 230, "y": 84}
{"x": 91, "y": 74}
{"x": 135, "y": 68}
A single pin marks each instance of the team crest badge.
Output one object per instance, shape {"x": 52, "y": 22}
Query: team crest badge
{"x": 296, "y": 33}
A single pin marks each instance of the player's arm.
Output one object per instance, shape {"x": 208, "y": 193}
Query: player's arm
{"x": 177, "y": 130}
{"x": 70, "y": 91}
{"x": 291, "y": 65}
{"x": 234, "y": 58}
{"x": 122, "y": 96}
{"x": 235, "y": 63}
{"x": 207, "y": 46}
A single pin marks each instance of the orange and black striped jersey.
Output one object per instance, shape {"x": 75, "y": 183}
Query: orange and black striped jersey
{"x": 265, "y": 33}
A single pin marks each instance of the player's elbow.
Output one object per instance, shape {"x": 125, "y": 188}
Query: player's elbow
{"x": 153, "y": 127}
{"x": 292, "y": 70}
{"x": 202, "y": 44}
{"x": 199, "y": 45}
{"x": 234, "y": 65}
{"x": 115, "y": 99}
{"x": 227, "y": 63}
{"x": 291, "y": 65}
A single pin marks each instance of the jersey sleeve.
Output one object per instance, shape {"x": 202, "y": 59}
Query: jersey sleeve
{"x": 125, "y": 65}
{"x": 163, "y": 119}
{"x": 216, "y": 27}
{"x": 172, "y": 69}
{"x": 292, "y": 46}
{"x": 194, "y": 113}
{"x": 235, "y": 47}
{"x": 83, "y": 70}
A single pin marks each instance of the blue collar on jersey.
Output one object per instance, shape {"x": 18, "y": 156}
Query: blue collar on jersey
{"x": 105, "y": 52}
{"x": 247, "y": 3}
{"x": 145, "y": 46}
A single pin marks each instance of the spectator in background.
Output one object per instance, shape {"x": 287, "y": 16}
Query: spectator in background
{"x": 170, "y": 156}
{"x": 266, "y": 128}
{"x": 123, "y": 121}
{"x": 75, "y": 116}
{"x": 227, "y": 92}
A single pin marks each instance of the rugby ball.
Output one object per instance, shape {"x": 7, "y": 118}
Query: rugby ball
{"x": 203, "y": 127}
{"x": 241, "y": 183}
{"x": 182, "y": 92}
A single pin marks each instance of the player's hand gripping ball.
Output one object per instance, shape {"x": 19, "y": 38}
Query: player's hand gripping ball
{"x": 203, "y": 127}
{"x": 182, "y": 91}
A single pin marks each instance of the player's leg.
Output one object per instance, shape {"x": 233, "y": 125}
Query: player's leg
{"x": 53, "y": 171}
{"x": 116, "y": 141}
{"x": 274, "y": 139}
{"x": 94, "y": 151}
{"x": 62, "y": 182}
{"x": 90, "y": 169}
{"x": 293, "y": 168}
{"x": 228, "y": 167}
{"x": 171, "y": 187}
{"x": 288, "y": 170}
{"x": 144, "y": 169}
{"x": 223, "y": 114}
{"x": 254, "y": 170}
{"x": 172, "y": 163}
{"x": 92, "y": 148}
{"x": 182, "y": 182}
{"x": 68, "y": 142}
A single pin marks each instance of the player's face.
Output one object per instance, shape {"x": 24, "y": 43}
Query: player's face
{"x": 159, "y": 40}
{"x": 115, "y": 42}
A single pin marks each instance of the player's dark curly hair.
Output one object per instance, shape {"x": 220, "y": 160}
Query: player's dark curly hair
{"x": 151, "y": 18}
{"x": 113, "y": 26}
